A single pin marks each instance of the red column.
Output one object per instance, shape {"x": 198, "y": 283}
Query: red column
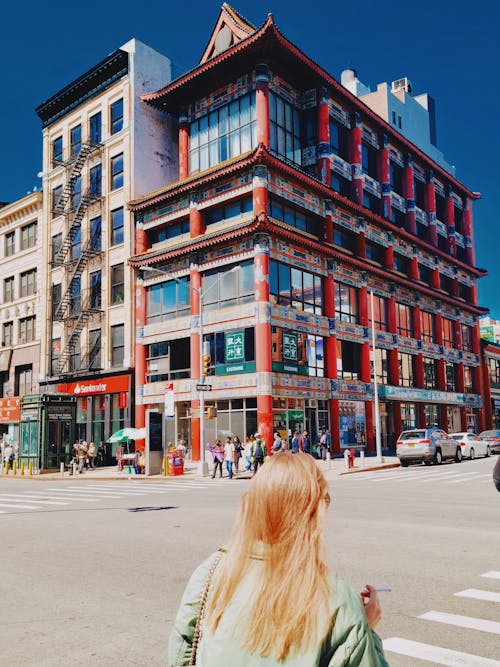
{"x": 487, "y": 409}
{"x": 370, "y": 427}
{"x": 397, "y": 422}
{"x": 356, "y": 159}
{"x": 436, "y": 280}
{"x": 392, "y": 355}
{"x": 384, "y": 169}
{"x": 183, "y": 147}
{"x": 414, "y": 268}
{"x": 195, "y": 282}
{"x": 363, "y": 306}
{"x": 331, "y": 357}
{"x": 430, "y": 205}
{"x": 450, "y": 221}
{"x": 411, "y": 219}
{"x": 328, "y": 221}
{"x": 389, "y": 253}
{"x": 364, "y": 311}
{"x": 468, "y": 233}
{"x": 141, "y": 245}
{"x": 417, "y": 322}
{"x": 335, "y": 425}
{"x": 263, "y": 343}
{"x": 361, "y": 239}
{"x": 440, "y": 365}
{"x": 196, "y": 222}
{"x": 260, "y": 192}
{"x": 323, "y": 165}
{"x": 262, "y": 104}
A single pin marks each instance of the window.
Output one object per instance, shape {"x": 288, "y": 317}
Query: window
{"x": 8, "y": 289}
{"x": 375, "y": 252}
{"x": 117, "y": 344}
{"x": 340, "y": 184}
{"x": 57, "y": 151}
{"x": 428, "y": 330}
{"x": 56, "y": 298}
{"x": 468, "y": 379}
{"x": 95, "y": 128}
{"x": 10, "y": 244}
{"x": 117, "y": 226}
{"x": 285, "y": 129}
{"x": 348, "y": 360}
{"x": 28, "y": 283}
{"x": 117, "y": 284}
{"x": 76, "y": 193}
{"x": 419, "y": 189}
{"x": 27, "y": 329}
{"x": 170, "y": 231}
{"x": 75, "y": 140}
{"x": 296, "y": 351}
{"x": 168, "y": 300}
{"x": 8, "y": 334}
{"x": 96, "y": 179}
{"x": 231, "y": 210}
{"x": 28, "y": 236}
{"x": 344, "y": 238}
{"x": 57, "y": 203}
{"x": 339, "y": 139}
{"x": 464, "y": 291}
{"x": 397, "y": 217}
{"x": 117, "y": 172}
{"x": 369, "y": 158}
{"x": 95, "y": 349}
{"x": 298, "y": 218}
{"x": 229, "y": 287}
{"x": 55, "y": 355}
{"x": 425, "y": 274}
{"x": 448, "y": 332}
{"x": 95, "y": 289}
{"x": 404, "y": 320}
{"x": 459, "y": 219}
{"x": 74, "y": 355}
{"x": 371, "y": 202}
{"x": 169, "y": 360}
{"x": 116, "y": 116}
{"x": 379, "y": 313}
{"x": 346, "y": 303}
{"x": 467, "y": 338}
{"x": 76, "y": 243}
{"x": 401, "y": 263}
{"x": 446, "y": 283}
{"x": 450, "y": 376}
{"x": 429, "y": 373}
{"x": 56, "y": 249}
{"x": 295, "y": 288}
{"x": 222, "y": 134}
{"x": 23, "y": 380}
{"x": 382, "y": 366}
{"x": 440, "y": 207}
{"x": 75, "y": 297}
{"x": 95, "y": 233}
{"x": 405, "y": 369}
{"x": 396, "y": 175}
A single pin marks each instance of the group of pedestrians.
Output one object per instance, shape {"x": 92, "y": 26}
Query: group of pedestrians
{"x": 84, "y": 455}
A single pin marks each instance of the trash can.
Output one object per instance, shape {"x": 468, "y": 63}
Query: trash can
{"x": 175, "y": 462}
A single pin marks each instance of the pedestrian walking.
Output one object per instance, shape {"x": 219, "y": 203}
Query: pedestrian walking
{"x": 229, "y": 452}
{"x": 81, "y": 452}
{"x": 324, "y": 443}
{"x": 91, "y": 454}
{"x": 305, "y": 443}
{"x": 277, "y": 445}
{"x": 257, "y": 612}
{"x": 217, "y": 450}
{"x": 247, "y": 453}
{"x": 137, "y": 454}
{"x": 8, "y": 454}
{"x": 259, "y": 452}
{"x": 238, "y": 449}
{"x": 296, "y": 443}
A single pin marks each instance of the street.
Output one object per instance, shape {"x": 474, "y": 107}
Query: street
{"x": 93, "y": 571}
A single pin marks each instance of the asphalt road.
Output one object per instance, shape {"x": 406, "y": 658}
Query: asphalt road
{"x": 96, "y": 579}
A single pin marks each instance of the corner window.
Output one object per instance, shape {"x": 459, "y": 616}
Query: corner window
{"x": 295, "y": 288}
{"x": 285, "y": 129}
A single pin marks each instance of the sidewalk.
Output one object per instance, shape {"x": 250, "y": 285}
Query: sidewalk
{"x": 331, "y": 469}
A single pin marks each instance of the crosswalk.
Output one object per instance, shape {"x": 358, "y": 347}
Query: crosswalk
{"x": 445, "y": 475}
{"x": 60, "y": 495}
{"x": 439, "y": 655}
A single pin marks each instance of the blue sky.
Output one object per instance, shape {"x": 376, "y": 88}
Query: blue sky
{"x": 449, "y": 49}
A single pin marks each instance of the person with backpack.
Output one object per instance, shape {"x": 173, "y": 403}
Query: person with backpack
{"x": 306, "y": 443}
{"x": 259, "y": 452}
{"x": 295, "y": 443}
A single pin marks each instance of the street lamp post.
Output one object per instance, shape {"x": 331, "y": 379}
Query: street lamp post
{"x": 375, "y": 387}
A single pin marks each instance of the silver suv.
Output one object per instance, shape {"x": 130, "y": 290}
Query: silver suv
{"x": 430, "y": 445}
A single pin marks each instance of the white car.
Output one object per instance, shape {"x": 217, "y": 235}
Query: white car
{"x": 471, "y": 445}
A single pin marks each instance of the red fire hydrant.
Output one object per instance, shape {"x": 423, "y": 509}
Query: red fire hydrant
{"x": 352, "y": 454}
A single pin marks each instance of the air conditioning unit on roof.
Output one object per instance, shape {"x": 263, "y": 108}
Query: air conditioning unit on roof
{"x": 401, "y": 84}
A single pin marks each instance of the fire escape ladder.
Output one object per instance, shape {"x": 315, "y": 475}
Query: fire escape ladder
{"x": 74, "y": 166}
{"x": 87, "y": 310}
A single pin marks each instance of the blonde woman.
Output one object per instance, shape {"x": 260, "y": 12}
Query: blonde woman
{"x": 272, "y": 600}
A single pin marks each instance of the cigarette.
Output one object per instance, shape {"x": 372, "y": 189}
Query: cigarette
{"x": 383, "y": 590}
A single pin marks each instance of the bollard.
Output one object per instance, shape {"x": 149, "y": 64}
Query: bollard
{"x": 22, "y": 467}
{"x": 62, "y": 469}
{"x": 346, "y": 458}
{"x": 30, "y": 467}
{"x": 7, "y": 466}
{"x": 14, "y": 467}
{"x": 362, "y": 458}
{"x": 74, "y": 468}
{"x": 329, "y": 459}
{"x": 165, "y": 466}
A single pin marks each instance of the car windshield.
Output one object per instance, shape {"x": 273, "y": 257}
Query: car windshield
{"x": 490, "y": 434}
{"x": 412, "y": 435}
{"x": 459, "y": 435}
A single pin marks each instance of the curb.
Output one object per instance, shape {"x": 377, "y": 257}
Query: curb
{"x": 371, "y": 468}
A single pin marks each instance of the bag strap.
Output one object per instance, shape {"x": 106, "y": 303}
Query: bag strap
{"x": 201, "y": 612}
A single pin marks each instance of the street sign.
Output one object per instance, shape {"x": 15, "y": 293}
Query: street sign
{"x": 203, "y": 387}
{"x": 169, "y": 401}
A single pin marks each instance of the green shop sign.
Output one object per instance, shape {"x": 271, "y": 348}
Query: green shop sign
{"x": 233, "y": 369}
{"x": 282, "y": 367}
{"x": 293, "y": 416}
{"x": 290, "y": 347}
{"x": 235, "y": 346}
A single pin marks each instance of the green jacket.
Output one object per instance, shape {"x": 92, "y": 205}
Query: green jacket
{"x": 349, "y": 642}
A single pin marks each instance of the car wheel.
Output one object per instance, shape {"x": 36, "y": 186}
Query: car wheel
{"x": 404, "y": 464}
{"x": 488, "y": 450}
{"x": 438, "y": 457}
{"x": 458, "y": 455}
{"x": 472, "y": 453}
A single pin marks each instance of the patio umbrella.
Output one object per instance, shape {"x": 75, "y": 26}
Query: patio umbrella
{"x": 126, "y": 434}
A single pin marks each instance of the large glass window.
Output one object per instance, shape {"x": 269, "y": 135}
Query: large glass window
{"x": 169, "y": 360}
{"x": 285, "y": 129}
{"x": 448, "y": 332}
{"x": 401, "y": 263}
{"x": 28, "y": 236}
{"x": 299, "y": 218}
{"x": 222, "y": 134}
{"x": 405, "y": 369}
{"x": 382, "y": 365}
{"x": 428, "y": 327}
{"x": 116, "y": 116}
{"x": 340, "y": 184}
{"x": 95, "y": 128}
{"x": 229, "y": 287}
{"x": 344, "y": 238}
{"x": 467, "y": 338}
{"x": 369, "y": 160}
{"x": 348, "y": 360}
{"x": 117, "y": 344}
{"x": 28, "y": 283}
{"x": 296, "y": 351}
{"x": 229, "y": 211}
{"x": 117, "y": 172}
{"x": 170, "y": 231}
{"x": 117, "y": 226}
{"x": 379, "y": 313}
{"x": 404, "y": 320}
{"x": 339, "y": 139}
{"x": 429, "y": 373}
{"x": 168, "y": 300}
{"x": 27, "y": 329}
{"x": 375, "y": 252}
{"x": 295, "y": 288}
{"x": 23, "y": 380}
{"x": 346, "y": 303}
{"x": 117, "y": 284}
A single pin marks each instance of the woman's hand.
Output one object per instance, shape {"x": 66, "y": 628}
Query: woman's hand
{"x": 373, "y": 611}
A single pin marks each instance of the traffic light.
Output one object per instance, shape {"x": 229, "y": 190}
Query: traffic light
{"x": 206, "y": 364}
{"x": 211, "y": 412}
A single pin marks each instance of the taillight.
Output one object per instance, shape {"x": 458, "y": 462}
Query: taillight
{"x": 425, "y": 442}
{"x": 399, "y": 442}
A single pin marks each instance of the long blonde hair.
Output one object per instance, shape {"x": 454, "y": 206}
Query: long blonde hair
{"x": 281, "y": 518}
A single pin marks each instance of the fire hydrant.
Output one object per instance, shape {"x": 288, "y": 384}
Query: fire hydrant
{"x": 352, "y": 454}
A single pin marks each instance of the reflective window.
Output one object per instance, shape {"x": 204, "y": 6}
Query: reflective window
{"x": 116, "y": 116}
{"x": 285, "y": 129}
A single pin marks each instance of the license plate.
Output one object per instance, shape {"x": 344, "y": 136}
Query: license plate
{"x": 411, "y": 444}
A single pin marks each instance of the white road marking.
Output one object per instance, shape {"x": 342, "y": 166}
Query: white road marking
{"x": 458, "y": 481}
{"x": 36, "y": 499}
{"x": 444, "y": 475}
{"x": 19, "y": 507}
{"x": 477, "y": 594}
{"x": 436, "y": 654}
{"x": 83, "y": 493}
{"x": 492, "y": 574}
{"x": 463, "y": 621}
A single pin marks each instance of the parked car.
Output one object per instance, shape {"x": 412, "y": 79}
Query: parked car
{"x": 493, "y": 439}
{"x": 496, "y": 474}
{"x": 472, "y": 445}
{"x": 430, "y": 445}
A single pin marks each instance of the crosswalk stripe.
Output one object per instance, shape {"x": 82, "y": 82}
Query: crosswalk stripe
{"x": 442, "y": 476}
{"x": 107, "y": 491}
{"x": 19, "y": 507}
{"x": 477, "y": 594}
{"x": 81, "y": 498}
{"x": 83, "y": 493}
{"x": 492, "y": 574}
{"x": 436, "y": 654}
{"x": 32, "y": 499}
{"x": 458, "y": 481}
{"x": 463, "y": 621}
